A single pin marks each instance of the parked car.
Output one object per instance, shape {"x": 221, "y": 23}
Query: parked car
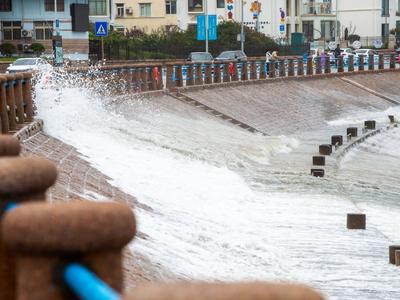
{"x": 366, "y": 53}
{"x": 200, "y": 57}
{"x": 236, "y": 55}
{"x": 29, "y": 64}
{"x": 346, "y": 53}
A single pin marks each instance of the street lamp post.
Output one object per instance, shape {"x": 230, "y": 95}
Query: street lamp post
{"x": 206, "y": 16}
{"x": 242, "y": 27}
{"x": 337, "y": 24}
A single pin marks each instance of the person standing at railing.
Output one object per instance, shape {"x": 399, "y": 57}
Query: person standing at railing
{"x": 268, "y": 58}
{"x": 323, "y": 58}
{"x": 337, "y": 53}
{"x": 275, "y": 59}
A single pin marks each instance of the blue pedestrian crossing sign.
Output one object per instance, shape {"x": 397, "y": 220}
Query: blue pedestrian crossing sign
{"x": 101, "y": 29}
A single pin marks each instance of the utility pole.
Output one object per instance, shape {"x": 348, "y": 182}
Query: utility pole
{"x": 55, "y": 17}
{"x": 337, "y": 24}
{"x": 242, "y": 27}
{"x": 206, "y": 15}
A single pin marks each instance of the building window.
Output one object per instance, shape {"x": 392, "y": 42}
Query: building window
{"x": 5, "y": 5}
{"x": 145, "y": 9}
{"x": 120, "y": 10}
{"x": 220, "y": 3}
{"x": 43, "y": 30}
{"x": 288, "y": 8}
{"x": 97, "y": 7}
{"x": 11, "y": 30}
{"x": 308, "y": 30}
{"x": 385, "y": 8}
{"x": 170, "y": 7}
{"x": 317, "y": 7}
{"x": 195, "y": 5}
{"x": 49, "y": 5}
{"x": 385, "y": 30}
{"x": 296, "y": 8}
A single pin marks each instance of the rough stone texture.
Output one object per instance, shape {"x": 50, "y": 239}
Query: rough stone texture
{"x": 269, "y": 106}
{"x": 69, "y": 227}
{"x": 77, "y": 179}
{"x": 383, "y": 83}
{"x": 206, "y": 291}
{"x": 9, "y": 146}
{"x": 21, "y": 176}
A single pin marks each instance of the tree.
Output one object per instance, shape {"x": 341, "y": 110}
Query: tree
{"x": 37, "y": 48}
{"x": 7, "y": 49}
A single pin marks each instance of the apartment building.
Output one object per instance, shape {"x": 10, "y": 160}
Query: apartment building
{"x": 23, "y": 22}
{"x": 147, "y": 15}
{"x": 368, "y": 18}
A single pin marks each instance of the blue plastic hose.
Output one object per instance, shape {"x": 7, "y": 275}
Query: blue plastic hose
{"x": 10, "y": 206}
{"x": 86, "y": 285}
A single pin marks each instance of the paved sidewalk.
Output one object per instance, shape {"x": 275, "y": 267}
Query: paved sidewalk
{"x": 77, "y": 179}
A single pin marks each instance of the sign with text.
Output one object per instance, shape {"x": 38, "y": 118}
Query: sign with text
{"x": 212, "y": 28}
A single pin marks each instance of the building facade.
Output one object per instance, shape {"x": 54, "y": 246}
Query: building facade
{"x": 147, "y": 15}
{"x": 368, "y": 18}
{"x": 23, "y": 22}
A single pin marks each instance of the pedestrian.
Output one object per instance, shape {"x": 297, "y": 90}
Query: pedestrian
{"x": 337, "y": 53}
{"x": 274, "y": 59}
{"x": 268, "y": 58}
{"x": 323, "y": 58}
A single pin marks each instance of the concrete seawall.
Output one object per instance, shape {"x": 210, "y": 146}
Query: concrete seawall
{"x": 276, "y": 107}
{"x": 288, "y": 106}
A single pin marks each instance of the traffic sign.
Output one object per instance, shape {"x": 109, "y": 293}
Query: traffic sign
{"x": 378, "y": 44}
{"x": 101, "y": 28}
{"x": 332, "y": 46}
{"x": 57, "y": 23}
{"x": 282, "y": 28}
{"x": 356, "y": 45}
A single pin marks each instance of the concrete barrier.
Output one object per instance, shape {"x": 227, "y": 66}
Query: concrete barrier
{"x": 319, "y": 160}
{"x": 222, "y": 291}
{"x": 21, "y": 180}
{"x": 370, "y": 125}
{"x": 318, "y": 172}
{"x": 392, "y": 253}
{"x": 356, "y": 221}
{"x": 47, "y": 237}
{"x": 325, "y": 149}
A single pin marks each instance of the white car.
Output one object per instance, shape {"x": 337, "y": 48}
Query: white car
{"x": 346, "y": 52}
{"x": 29, "y": 64}
{"x": 366, "y": 53}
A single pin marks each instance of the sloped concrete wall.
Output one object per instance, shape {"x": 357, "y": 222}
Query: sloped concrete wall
{"x": 288, "y": 106}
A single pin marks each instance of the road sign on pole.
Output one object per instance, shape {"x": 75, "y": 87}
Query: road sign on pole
{"x": 201, "y": 27}
{"x": 212, "y": 27}
{"x": 101, "y": 29}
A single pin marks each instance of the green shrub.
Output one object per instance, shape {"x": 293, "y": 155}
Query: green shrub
{"x": 353, "y": 37}
{"x": 7, "y": 49}
{"x": 37, "y": 48}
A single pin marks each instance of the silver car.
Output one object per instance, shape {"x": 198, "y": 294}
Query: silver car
{"x": 236, "y": 55}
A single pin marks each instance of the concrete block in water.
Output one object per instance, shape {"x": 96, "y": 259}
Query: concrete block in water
{"x": 325, "y": 149}
{"x": 319, "y": 160}
{"x": 370, "y": 124}
{"x": 352, "y": 131}
{"x": 337, "y": 140}
{"x": 397, "y": 257}
{"x": 392, "y": 253}
{"x": 356, "y": 221}
{"x": 318, "y": 172}
{"x": 391, "y": 118}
